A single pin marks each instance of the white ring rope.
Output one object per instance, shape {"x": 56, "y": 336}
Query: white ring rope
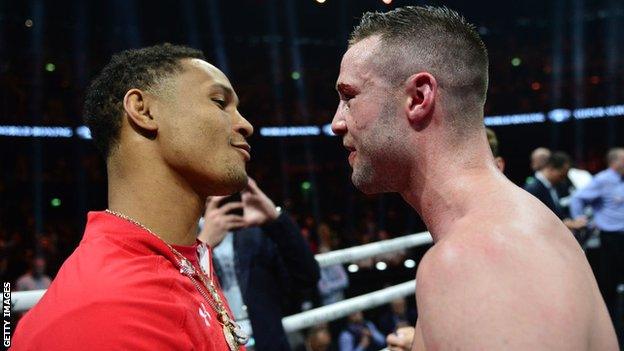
{"x": 356, "y": 253}
{"x": 346, "y": 307}
{"x": 24, "y": 300}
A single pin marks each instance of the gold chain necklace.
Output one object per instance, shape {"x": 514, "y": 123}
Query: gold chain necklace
{"x": 234, "y": 335}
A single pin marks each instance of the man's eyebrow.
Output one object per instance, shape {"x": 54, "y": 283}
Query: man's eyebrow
{"x": 226, "y": 90}
{"x": 346, "y": 89}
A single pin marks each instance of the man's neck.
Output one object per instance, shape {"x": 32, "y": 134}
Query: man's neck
{"x": 451, "y": 189}
{"x": 159, "y": 200}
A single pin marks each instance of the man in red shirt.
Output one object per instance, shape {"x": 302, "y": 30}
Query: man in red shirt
{"x": 168, "y": 124}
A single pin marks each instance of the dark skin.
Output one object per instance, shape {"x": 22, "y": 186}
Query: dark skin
{"x": 178, "y": 145}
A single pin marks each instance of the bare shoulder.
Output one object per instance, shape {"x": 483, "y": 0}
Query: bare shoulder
{"x": 494, "y": 289}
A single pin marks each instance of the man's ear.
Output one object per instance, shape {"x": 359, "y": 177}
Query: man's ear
{"x": 421, "y": 89}
{"x": 137, "y": 106}
{"x": 500, "y": 163}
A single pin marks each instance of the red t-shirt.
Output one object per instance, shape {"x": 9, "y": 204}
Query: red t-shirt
{"x": 121, "y": 289}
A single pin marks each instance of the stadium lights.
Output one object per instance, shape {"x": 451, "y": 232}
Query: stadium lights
{"x": 409, "y": 263}
{"x": 353, "y": 268}
{"x": 555, "y": 116}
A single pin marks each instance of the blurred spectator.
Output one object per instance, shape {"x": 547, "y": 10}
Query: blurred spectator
{"x": 545, "y": 188}
{"x": 261, "y": 260}
{"x": 360, "y": 335}
{"x": 579, "y": 178}
{"x": 397, "y": 316}
{"x": 539, "y": 158}
{"x": 605, "y": 196}
{"x": 493, "y": 142}
{"x": 318, "y": 339}
{"x": 334, "y": 279}
{"x": 35, "y": 278}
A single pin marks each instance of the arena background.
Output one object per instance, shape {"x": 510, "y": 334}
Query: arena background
{"x": 549, "y": 62}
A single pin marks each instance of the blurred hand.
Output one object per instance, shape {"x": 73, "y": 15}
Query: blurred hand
{"x": 364, "y": 340}
{"x": 581, "y": 221}
{"x": 401, "y": 340}
{"x": 218, "y": 222}
{"x": 366, "y": 332}
{"x": 259, "y": 209}
{"x": 575, "y": 224}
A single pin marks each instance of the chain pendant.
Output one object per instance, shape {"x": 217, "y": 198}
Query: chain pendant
{"x": 241, "y": 336}
{"x": 186, "y": 267}
{"x": 233, "y": 333}
{"x": 229, "y": 338}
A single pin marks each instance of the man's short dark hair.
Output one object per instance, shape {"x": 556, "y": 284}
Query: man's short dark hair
{"x": 433, "y": 39}
{"x": 559, "y": 160}
{"x": 141, "y": 69}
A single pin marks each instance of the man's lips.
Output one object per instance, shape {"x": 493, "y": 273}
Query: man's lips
{"x": 352, "y": 153}
{"x": 245, "y": 149}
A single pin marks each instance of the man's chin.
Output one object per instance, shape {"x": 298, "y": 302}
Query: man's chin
{"x": 233, "y": 183}
{"x": 366, "y": 185}
{"x": 236, "y": 183}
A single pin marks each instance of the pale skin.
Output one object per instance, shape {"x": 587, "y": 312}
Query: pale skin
{"x": 504, "y": 273}
{"x": 176, "y": 147}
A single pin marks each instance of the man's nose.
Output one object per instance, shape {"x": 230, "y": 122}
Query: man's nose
{"x": 243, "y": 126}
{"x": 339, "y": 125}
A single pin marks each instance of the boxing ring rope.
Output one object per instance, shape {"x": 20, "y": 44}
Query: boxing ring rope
{"x": 357, "y": 253}
{"x": 346, "y": 307}
{"x": 24, "y": 300}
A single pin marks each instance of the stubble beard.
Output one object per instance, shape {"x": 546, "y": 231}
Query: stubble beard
{"x": 236, "y": 178}
{"x": 228, "y": 181}
{"x": 378, "y": 169}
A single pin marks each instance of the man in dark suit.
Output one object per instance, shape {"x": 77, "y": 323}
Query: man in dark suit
{"x": 261, "y": 259}
{"x": 548, "y": 185}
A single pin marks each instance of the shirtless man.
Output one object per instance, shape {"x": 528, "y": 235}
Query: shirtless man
{"x": 504, "y": 273}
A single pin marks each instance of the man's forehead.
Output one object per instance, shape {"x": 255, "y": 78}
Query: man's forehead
{"x": 206, "y": 72}
{"x": 357, "y": 66}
